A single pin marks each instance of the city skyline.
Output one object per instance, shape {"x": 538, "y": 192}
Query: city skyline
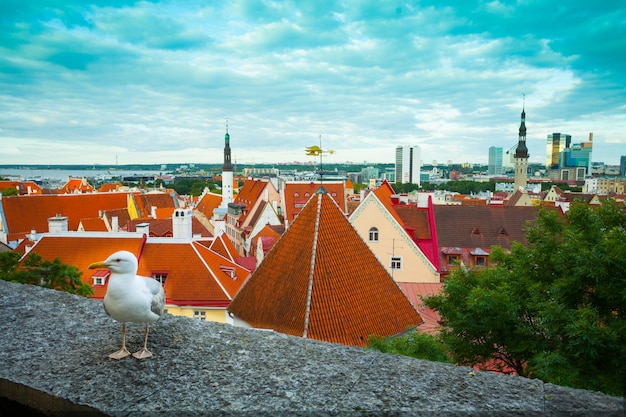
{"x": 155, "y": 82}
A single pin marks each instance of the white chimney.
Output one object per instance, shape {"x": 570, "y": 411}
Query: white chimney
{"x": 181, "y": 223}
{"x": 57, "y": 224}
{"x": 143, "y": 228}
{"x": 153, "y": 213}
{"x": 115, "y": 226}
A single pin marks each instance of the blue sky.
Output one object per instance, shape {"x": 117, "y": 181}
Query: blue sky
{"x": 154, "y": 82}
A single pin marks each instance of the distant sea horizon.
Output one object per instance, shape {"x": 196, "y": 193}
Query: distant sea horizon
{"x": 58, "y": 174}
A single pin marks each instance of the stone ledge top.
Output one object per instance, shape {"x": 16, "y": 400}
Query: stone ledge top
{"x": 55, "y": 345}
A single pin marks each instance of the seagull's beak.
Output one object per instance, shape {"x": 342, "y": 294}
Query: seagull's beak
{"x": 96, "y": 265}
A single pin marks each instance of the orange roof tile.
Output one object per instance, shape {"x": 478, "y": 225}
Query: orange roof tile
{"x": 22, "y": 214}
{"x": 310, "y": 286}
{"x": 208, "y": 203}
{"x": 145, "y": 202}
{"x": 296, "y": 194}
{"x": 222, "y": 245}
{"x": 81, "y": 251}
{"x": 77, "y": 185}
{"x": 415, "y": 290}
{"x": 384, "y": 193}
{"x": 195, "y": 274}
{"x": 23, "y": 187}
{"x": 109, "y": 187}
{"x": 93, "y": 224}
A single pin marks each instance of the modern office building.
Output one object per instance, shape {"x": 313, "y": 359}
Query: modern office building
{"x": 622, "y": 166}
{"x": 495, "y": 161}
{"x": 557, "y": 142}
{"x": 408, "y": 164}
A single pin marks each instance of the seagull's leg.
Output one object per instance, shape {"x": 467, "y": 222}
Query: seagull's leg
{"x": 123, "y": 352}
{"x": 144, "y": 353}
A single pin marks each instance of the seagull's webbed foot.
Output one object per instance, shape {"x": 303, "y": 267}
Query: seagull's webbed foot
{"x": 120, "y": 354}
{"x": 142, "y": 354}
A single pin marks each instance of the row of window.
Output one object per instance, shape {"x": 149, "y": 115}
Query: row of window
{"x": 452, "y": 260}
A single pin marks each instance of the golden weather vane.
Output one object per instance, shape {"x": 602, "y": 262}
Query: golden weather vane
{"x": 318, "y": 151}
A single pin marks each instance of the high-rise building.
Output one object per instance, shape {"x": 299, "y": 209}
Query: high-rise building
{"x": 622, "y": 166}
{"x": 521, "y": 157}
{"x": 495, "y": 161}
{"x": 408, "y": 164}
{"x": 556, "y": 144}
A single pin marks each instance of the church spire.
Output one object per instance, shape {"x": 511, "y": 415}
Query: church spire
{"x": 521, "y": 154}
{"x": 228, "y": 166}
{"x": 522, "y": 150}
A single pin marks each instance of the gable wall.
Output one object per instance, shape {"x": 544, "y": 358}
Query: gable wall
{"x": 393, "y": 240}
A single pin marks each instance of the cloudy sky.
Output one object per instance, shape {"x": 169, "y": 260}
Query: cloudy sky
{"x": 154, "y": 82}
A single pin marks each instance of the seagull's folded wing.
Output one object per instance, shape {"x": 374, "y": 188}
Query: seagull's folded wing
{"x": 157, "y": 304}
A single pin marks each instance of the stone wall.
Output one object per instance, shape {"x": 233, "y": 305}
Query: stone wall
{"x": 53, "y": 358}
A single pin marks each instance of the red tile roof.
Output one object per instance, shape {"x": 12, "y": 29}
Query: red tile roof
{"x": 223, "y": 246}
{"x": 208, "y": 203}
{"x": 82, "y": 250}
{"x": 195, "y": 274}
{"x": 469, "y": 231}
{"x": 321, "y": 281}
{"x": 77, "y": 185}
{"x": 482, "y": 226}
{"x": 415, "y": 290}
{"x": 267, "y": 237}
{"x": 164, "y": 228}
{"x": 93, "y": 224}
{"x": 24, "y": 213}
{"x": 109, "y": 187}
{"x": 23, "y": 187}
{"x": 144, "y": 202}
{"x": 296, "y": 195}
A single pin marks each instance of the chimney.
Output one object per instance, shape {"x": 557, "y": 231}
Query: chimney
{"x": 153, "y": 210}
{"x": 115, "y": 225}
{"x": 181, "y": 223}
{"x": 57, "y": 224}
{"x": 143, "y": 228}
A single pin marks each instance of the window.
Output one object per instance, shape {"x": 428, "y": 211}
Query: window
{"x": 480, "y": 261}
{"x": 160, "y": 276}
{"x": 200, "y": 315}
{"x": 100, "y": 277}
{"x": 396, "y": 262}
{"x": 452, "y": 260}
{"x": 373, "y": 236}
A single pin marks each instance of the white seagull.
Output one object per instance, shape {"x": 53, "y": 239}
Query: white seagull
{"x": 131, "y": 297}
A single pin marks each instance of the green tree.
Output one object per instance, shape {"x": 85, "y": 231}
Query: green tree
{"x": 552, "y": 309}
{"x": 413, "y": 344}
{"x": 8, "y": 264}
{"x": 10, "y": 191}
{"x": 54, "y": 275}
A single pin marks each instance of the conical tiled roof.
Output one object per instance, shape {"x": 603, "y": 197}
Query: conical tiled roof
{"x": 321, "y": 281}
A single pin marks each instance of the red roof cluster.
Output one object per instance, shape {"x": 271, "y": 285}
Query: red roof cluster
{"x": 312, "y": 285}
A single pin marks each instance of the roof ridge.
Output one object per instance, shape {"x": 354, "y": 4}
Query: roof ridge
{"x": 309, "y": 295}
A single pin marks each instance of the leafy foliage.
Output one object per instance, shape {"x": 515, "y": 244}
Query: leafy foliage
{"x": 553, "y": 309}
{"x": 35, "y": 271}
{"x": 414, "y": 344}
{"x": 9, "y": 191}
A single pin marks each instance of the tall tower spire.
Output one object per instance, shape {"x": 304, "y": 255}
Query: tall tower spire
{"x": 227, "y": 172}
{"x": 228, "y": 166}
{"x": 521, "y": 154}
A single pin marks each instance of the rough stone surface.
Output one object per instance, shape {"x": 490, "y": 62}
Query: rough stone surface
{"x": 55, "y": 347}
